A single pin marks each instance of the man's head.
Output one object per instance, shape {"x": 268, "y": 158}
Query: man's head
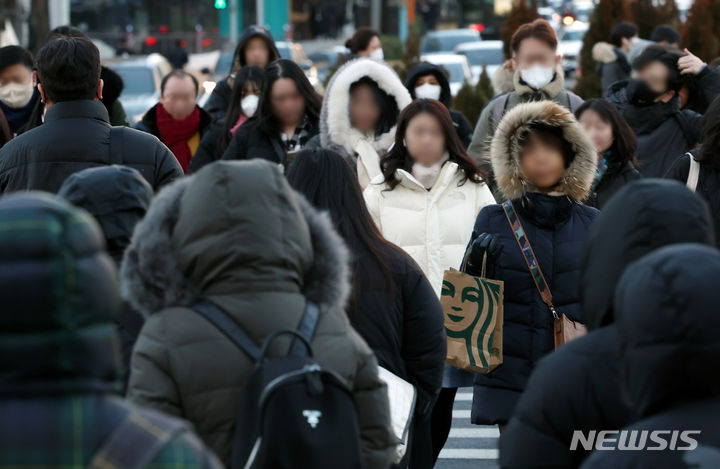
{"x": 657, "y": 67}
{"x": 68, "y": 69}
{"x": 16, "y": 84}
{"x": 623, "y": 35}
{"x": 666, "y": 35}
{"x": 178, "y": 94}
{"x": 535, "y": 44}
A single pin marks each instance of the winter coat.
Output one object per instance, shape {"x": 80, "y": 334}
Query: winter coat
{"x": 556, "y": 225}
{"x": 250, "y": 141}
{"x": 703, "y": 88}
{"x": 219, "y": 101}
{"x": 462, "y": 124}
{"x": 207, "y": 151}
{"x": 614, "y": 179}
{"x": 117, "y": 197}
{"x": 236, "y": 234}
{"x": 405, "y": 329}
{"x": 664, "y": 323}
{"x": 663, "y": 131}
{"x": 59, "y": 354}
{"x": 613, "y": 64}
{"x": 75, "y": 136}
{"x": 503, "y": 78}
{"x": 336, "y": 131}
{"x": 485, "y": 128}
{"x": 708, "y": 186}
{"x": 576, "y": 387}
{"x": 432, "y": 226}
{"x": 30, "y": 114}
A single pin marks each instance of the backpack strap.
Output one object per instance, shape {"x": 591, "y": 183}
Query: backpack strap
{"x": 116, "y": 145}
{"x": 307, "y": 327}
{"x": 498, "y": 110}
{"x": 574, "y": 101}
{"x": 137, "y": 440}
{"x": 693, "y": 174}
{"x": 220, "y": 319}
{"x": 529, "y": 255}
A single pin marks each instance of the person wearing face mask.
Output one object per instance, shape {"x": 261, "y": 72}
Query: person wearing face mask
{"x": 365, "y": 43}
{"x": 247, "y": 88}
{"x": 649, "y": 103}
{"x": 538, "y": 76}
{"x": 359, "y": 112}
{"x": 426, "y": 80}
{"x": 613, "y": 62}
{"x": 616, "y": 145}
{"x": 18, "y": 96}
{"x": 177, "y": 120}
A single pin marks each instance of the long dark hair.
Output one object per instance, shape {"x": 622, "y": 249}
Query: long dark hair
{"x": 247, "y": 75}
{"x": 399, "y": 158}
{"x": 388, "y": 106}
{"x": 710, "y": 136}
{"x": 284, "y": 68}
{"x": 328, "y": 182}
{"x": 624, "y": 146}
{"x": 361, "y": 39}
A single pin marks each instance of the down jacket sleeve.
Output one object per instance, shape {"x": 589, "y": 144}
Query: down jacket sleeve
{"x": 377, "y": 441}
{"x": 372, "y": 195}
{"x": 150, "y": 382}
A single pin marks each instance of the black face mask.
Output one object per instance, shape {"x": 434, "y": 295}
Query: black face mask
{"x": 640, "y": 94}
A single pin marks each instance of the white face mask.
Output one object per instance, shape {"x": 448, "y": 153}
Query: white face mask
{"x": 16, "y": 95}
{"x": 428, "y": 91}
{"x": 377, "y": 54}
{"x": 249, "y": 104}
{"x": 537, "y": 76}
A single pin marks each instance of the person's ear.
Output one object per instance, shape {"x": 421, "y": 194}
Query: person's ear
{"x": 34, "y": 78}
{"x": 513, "y": 63}
{"x": 41, "y": 90}
{"x": 101, "y": 85}
{"x": 670, "y": 94}
{"x": 558, "y": 59}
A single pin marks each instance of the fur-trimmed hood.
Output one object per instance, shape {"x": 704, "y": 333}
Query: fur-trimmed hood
{"x": 233, "y": 227}
{"x": 336, "y": 132}
{"x": 549, "y": 91}
{"x": 505, "y": 150}
{"x": 503, "y": 78}
{"x": 604, "y": 52}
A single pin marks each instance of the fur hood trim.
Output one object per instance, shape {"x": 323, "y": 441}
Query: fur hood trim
{"x": 503, "y": 78}
{"x": 505, "y": 150}
{"x": 151, "y": 280}
{"x": 335, "y": 129}
{"x": 551, "y": 90}
{"x": 604, "y": 52}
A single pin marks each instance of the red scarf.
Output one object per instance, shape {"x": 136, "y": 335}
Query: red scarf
{"x": 175, "y": 133}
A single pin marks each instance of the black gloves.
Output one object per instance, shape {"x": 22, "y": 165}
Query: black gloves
{"x": 484, "y": 244}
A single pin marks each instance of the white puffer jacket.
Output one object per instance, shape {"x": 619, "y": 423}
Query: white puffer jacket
{"x": 433, "y": 226}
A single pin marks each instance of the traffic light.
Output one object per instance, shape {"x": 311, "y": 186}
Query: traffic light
{"x": 220, "y": 4}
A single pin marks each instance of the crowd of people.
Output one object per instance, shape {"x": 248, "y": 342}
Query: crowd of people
{"x": 274, "y": 198}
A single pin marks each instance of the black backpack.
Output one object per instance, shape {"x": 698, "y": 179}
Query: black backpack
{"x": 292, "y": 412}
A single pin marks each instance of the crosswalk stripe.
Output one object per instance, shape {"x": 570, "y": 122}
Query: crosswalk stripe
{"x": 469, "y": 454}
{"x": 461, "y": 414}
{"x": 474, "y": 433}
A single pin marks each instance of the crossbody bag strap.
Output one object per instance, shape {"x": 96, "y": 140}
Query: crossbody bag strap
{"x": 227, "y": 325}
{"x": 693, "y": 174}
{"x": 307, "y": 327}
{"x": 529, "y": 255}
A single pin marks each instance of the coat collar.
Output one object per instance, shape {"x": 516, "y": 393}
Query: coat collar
{"x": 549, "y": 91}
{"x": 448, "y": 173}
{"x": 82, "y": 108}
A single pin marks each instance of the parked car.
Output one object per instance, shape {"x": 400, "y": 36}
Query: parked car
{"x": 445, "y": 41}
{"x": 570, "y": 44}
{"x": 488, "y": 53}
{"x": 142, "y": 77}
{"x": 325, "y": 60}
{"x": 456, "y": 66}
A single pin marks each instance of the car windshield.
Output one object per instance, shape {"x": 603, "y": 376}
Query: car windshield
{"x": 137, "y": 80}
{"x": 455, "y": 70}
{"x": 484, "y": 56}
{"x": 285, "y": 52}
{"x": 446, "y": 43}
{"x": 573, "y": 36}
{"x": 224, "y": 64}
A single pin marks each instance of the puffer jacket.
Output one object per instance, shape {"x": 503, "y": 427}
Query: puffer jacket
{"x": 58, "y": 349}
{"x": 237, "y": 235}
{"x": 462, "y": 124}
{"x": 337, "y": 133}
{"x": 666, "y": 305}
{"x": 556, "y": 225}
{"x": 613, "y": 64}
{"x": 432, "y": 226}
{"x": 577, "y": 386}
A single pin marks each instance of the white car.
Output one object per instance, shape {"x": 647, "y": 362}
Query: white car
{"x": 570, "y": 44}
{"x": 489, "y": 53}
{"x": 142, "y": 77}
{"x": 456, "y": 66}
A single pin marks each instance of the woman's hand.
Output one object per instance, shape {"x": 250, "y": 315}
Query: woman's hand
{"x": 484, "y": 244}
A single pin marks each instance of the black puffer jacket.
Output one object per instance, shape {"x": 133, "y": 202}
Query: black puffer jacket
{"x": 250, "y": 141}
{"x": 708, "y": 186}
{"x": 75, "y": 136}
{"x": 614, "y": 179}
{"x": 207, "y": 151}
{"x": 667, "y": 305}
{"x": 461, "y": 123}
{"x": 575, "y": 388}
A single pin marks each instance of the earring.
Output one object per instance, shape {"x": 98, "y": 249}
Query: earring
{"x": 404, "y": 143}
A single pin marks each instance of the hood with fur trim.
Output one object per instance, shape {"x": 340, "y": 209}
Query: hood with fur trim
{"x": 549, "y": 91}
{"x": 233, "y": 227}
{"x": 336, "y": 132}
{"x": 604, "y": 52}
{"x": 503, "y": 78}
{"x": 505, "y": 150}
